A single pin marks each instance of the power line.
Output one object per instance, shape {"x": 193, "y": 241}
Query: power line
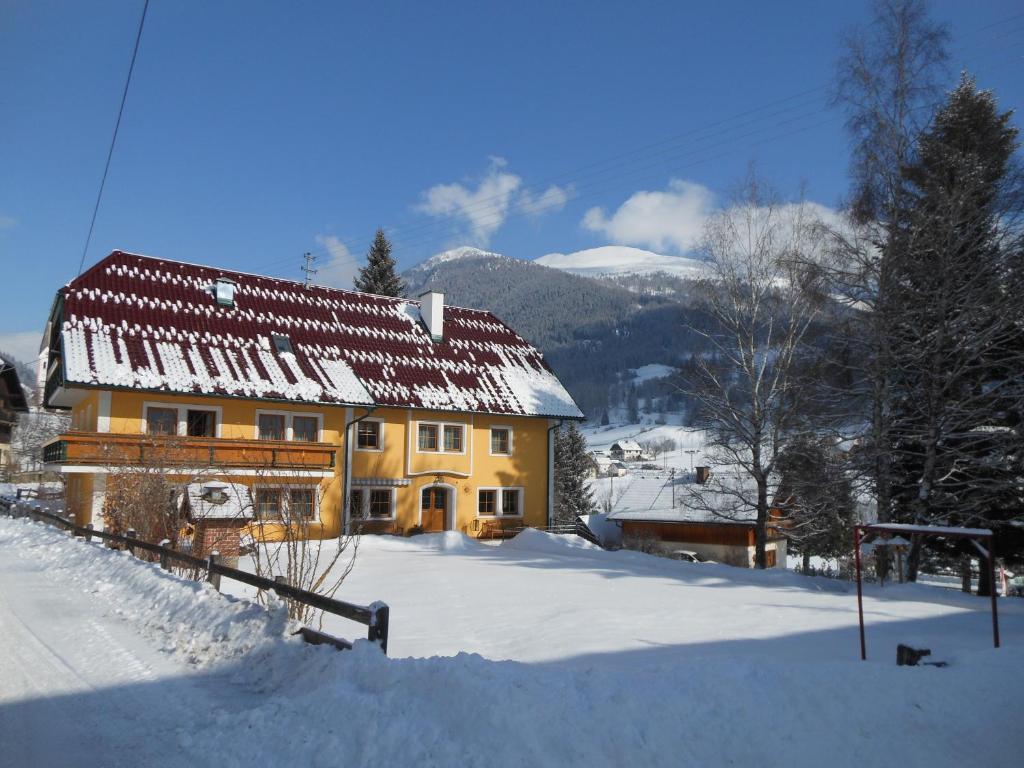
{"x": 113, "y": 139}
{"x": 617, "y": 167}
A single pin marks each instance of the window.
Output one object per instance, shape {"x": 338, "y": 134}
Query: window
{"x": 301, "y": 503}
{"x": 447, "y": 438}
{"x": 285, "y": 425}
{"x": 305, "y": 428}
{"x": 453, "y": 438}
{"x": 268, "y": 503}
{"x": 161, "y": 421}
{"x": 355, "y": 504}
{"x": 200, "y": 423}
{"x": 380, "y": 503}
{"x": 371, "y": 503}
{"x": 282, "y": 344}
{"x": 488, "y": 503}
{"x": 270, "y": 426}
{"x": 500, "y": 502}
{"x": 368, "y": 435}
{"x": 510, "y": 502}
{"x": 501, "y": 441}
{"x": 428, "y": 437}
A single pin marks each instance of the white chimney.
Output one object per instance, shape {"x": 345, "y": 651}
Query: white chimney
{"x": 432, "y": 313}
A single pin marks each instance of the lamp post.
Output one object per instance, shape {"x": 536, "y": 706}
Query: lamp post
{"x": 691, "y": 451}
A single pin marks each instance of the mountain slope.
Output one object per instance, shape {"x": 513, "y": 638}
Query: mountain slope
{"x": 589, "y": 330}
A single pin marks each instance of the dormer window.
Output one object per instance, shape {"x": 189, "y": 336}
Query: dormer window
{"x": 282, "y": 344}
{"x": 224, "y": 291}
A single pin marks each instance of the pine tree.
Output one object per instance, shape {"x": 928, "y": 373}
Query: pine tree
{"x": 957, "y": 362}
{"x": 573, "y": 496}
{"x": 379, "y": 276}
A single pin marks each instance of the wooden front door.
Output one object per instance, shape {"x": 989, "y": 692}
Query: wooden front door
{"x": 435, "y": 508}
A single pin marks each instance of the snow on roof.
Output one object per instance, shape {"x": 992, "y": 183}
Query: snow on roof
{"x": 153, "y": 324}
{"x": 724, "y": 499}
{"x": 204, "y": 501}
{"x": 627, "y": 445}
{"x": 934, "y": 530}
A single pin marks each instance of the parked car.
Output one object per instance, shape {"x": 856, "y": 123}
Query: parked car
{"x": 689, "y": 556}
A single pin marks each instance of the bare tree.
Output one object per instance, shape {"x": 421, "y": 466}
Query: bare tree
{"x": 285, "y": 539}
{"x": 763, "y": 293}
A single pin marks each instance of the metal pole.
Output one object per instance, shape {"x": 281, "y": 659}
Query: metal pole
{"x": 860, "y": 599}
{"x": 995, "y": 611}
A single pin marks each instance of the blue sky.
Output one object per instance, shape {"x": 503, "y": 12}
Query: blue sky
{"x": 256, "y": 131}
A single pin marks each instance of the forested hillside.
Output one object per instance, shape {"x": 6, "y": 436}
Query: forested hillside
{"x": 590, "y": 330}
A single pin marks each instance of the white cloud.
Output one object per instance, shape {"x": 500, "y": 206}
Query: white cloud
{"x": 672, "y": 220}
{"x": 8, "y": 222}
{"x": 341, "y": 267}
{"x": 550, "y": 200}
{"x": 24, "y": 345}
{"x": 483, "y": 206}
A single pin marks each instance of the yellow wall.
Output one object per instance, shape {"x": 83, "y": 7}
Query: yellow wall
{"x": 526, "y": 468}
{"x": 399, "y": 460}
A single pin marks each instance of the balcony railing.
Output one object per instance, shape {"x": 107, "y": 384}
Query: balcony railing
{"x": 107, "y": 449}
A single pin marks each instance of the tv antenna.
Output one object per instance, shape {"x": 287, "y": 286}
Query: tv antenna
{"x": 308, "y": 268}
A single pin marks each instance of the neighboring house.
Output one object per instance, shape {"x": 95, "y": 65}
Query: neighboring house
{"x": 598, "y": 464}
{"x": 353, "y": 410}
{"x": 664, "y": 513}
{"x": 627, "y": 450}
{"x": 12, "y": 402}
{"x": 617, "y": 469}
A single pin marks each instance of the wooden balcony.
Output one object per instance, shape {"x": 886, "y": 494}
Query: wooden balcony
{"x": 103, "y": 449}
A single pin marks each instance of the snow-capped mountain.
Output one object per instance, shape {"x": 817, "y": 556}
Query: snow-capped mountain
{"x": 613, "y": 260}
{"x": 462, "y": 253}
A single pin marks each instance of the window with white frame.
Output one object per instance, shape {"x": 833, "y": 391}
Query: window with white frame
{"x": 499, "y": 502}
{"x": 285, "y": 425}
{"x": 372, "y": 503}
{"x": 501, "y": 441}
{"x": 439, "y": 437}
{"x": 369, "y": 435}
{"x": 183, "y": 420}
{"x": 289, "y": 503}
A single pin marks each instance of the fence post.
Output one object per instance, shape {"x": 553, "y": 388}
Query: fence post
{"x": 213, "y": 578}
{"x": 378, "y": 632}
{"x": 165, "y": 555}
{"x": 88, "y": 531}
{"x": 131, "y": 534}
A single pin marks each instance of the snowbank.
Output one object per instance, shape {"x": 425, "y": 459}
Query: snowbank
{"x": 637, "y": 706}
{"x": 532, "y": 540}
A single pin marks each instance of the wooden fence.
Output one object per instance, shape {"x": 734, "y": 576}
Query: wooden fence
{"x": 375, "y": 616}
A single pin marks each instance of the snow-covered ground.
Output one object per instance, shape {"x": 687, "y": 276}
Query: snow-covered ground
{"x": 615, "y": 659}
{"x": 610, "y": 260}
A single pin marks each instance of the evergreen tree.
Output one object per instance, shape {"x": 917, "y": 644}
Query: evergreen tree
{"x": 957, "y": 358}
{"x": 379, "y": 276}
{"x": 816, "y": 498}
{"x": 573, "y": 496}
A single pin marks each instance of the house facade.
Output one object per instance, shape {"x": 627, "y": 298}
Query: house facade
{"x": 350, "y": 411}
{"x": 12, "y": 402}
{"x": 626, "y": 450}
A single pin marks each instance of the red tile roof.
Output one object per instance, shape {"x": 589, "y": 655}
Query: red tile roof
{"x": 153, "y": 324}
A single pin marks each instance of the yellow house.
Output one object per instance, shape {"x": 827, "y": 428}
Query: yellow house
{"x": 353, "y": 411}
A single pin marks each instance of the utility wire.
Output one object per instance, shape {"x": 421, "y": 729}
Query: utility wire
{"x": 669, "y": 149}
{"x": 113, "y": 139}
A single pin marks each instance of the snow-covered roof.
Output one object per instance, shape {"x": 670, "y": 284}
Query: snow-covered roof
{"x": 650, "y": 495}
{"x": 203, "y": 504}
{"x": 627, "y": 445}
{"x": 153, "y": 324}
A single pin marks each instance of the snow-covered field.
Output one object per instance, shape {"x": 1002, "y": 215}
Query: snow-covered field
{"x": 575, "y": 656}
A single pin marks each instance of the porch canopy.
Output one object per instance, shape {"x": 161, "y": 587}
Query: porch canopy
{"x": 977, "y": 536}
